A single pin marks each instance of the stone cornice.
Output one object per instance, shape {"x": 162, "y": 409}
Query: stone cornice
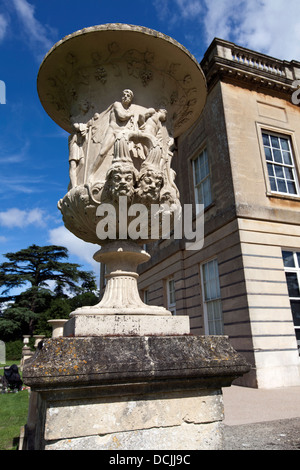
{"x": 226, "y": 61}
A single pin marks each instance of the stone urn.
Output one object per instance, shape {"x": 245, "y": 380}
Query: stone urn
{"x": 124, "y": 94}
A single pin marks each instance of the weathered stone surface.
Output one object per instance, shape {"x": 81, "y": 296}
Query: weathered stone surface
{"x": 77, "y": 418}
{"x": 109, "y": 359}
{"x": 186, "y": 437}
{"x": 130, "y": 392}
{"x": 140, "y": 325}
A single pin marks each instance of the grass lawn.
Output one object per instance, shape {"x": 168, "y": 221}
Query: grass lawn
{"x": 13, "y": 415}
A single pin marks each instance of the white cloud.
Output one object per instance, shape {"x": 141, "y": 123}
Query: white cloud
{"x": 175, "y": 10}
{"x": 82, "y": 250}
{"x": 21, "y": 218}
{"x": 268, "y": 26}
{"x": 37, "y": 34}
{"x": 3, "y": 26}
{"x": 189, "y": 8}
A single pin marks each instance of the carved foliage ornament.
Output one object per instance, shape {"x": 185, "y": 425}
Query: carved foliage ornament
{"x": 103, "y": 66}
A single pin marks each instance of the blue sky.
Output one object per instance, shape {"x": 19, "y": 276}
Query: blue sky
{"x": 34, "y": 150}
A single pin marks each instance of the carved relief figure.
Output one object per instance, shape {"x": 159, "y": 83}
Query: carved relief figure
{"x": 76, "y": 141}
{"x": 104, "y": 146}
{"x": 120, "y": 181}
{"x": 120, "y": 119}
{"x": 149, "y": 184}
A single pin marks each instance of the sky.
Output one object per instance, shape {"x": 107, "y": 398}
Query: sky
{"x": 34, "y": 150}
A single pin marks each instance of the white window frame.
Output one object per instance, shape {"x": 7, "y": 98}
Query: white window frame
{"x": 201, "y": 177}
{"x": 295, "y": 270}
{"x": 211, "y": 294}
{"x": 289, "y": 136}
{"x": 171, "y": 295}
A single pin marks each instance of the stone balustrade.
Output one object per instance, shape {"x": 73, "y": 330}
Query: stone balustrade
{"x": 232, "y": 60}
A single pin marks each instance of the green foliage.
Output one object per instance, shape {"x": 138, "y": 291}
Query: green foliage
{"x": 14, "y": 350}
{"x": 29, "y": 312}
{"x": 15, "y": 322}
{"x": 86, "y": 298}
{"x": 37, "y": 265}
{"x": 59, "y": 308}
{"x": 13, "y": 415}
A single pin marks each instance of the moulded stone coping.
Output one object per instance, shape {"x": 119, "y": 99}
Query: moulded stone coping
{"x": 102, "y": 361}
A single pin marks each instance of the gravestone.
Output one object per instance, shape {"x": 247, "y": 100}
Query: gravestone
{"x": 2, "y": 353}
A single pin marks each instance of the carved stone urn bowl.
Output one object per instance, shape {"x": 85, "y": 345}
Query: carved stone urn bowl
{"x": 124, "y": 94}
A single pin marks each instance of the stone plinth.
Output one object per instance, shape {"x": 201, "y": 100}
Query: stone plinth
{"x": 57, "y": 327}
{"x": 125, "y": 393}
{"x": 129, "y": 325}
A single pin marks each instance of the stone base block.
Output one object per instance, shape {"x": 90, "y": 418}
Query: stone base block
{"x": 129, "y": 325}
{"x": 198, "y": 436}
{"x": 129, "y": 392}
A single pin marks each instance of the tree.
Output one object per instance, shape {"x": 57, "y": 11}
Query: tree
{"x": 35, "y": 266}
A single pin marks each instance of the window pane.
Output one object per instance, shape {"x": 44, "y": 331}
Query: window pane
{"x": 295, "y": 305}
{"x": 266, "y": 139}
{"x": 279, "y": 171}
{"x": 218, "y": 318}
{"x": 206, "y": 162}
{"x": 289, "y": 174}
{"x": 288, "y": 259}
{"x": 284, "y": 144}
{"x": 282, "y": 188}
{"x": 198, "y": 195}
{"x": 214, "y": 315}
{"x": 202, "y": 180}
{"x": 292, "y": 271}
{"x": 273, "y": 184}
{"x": 291, "y": 187}
{"x": 203, "y": 168}
{"x": 268, "y": 153}
{"x": 196, "y": 171}
{"x": 211, "y": 280}
{"x": 287, "y": 158}
{"x": 293, "y": 286}
{"x": 206, "y": 192}
{"x": 213, "y": 305}
{"x": 277, "y": 156}
{"x": 275, "y": 142}
{"x": 270, "y": 170}
{"x": 172, "y": 291}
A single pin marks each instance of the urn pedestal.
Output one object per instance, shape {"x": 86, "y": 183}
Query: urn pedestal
{"x": 125, "y": 375}
{"x": 130, "y": 392}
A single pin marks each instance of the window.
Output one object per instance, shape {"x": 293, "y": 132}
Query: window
{"x": 201, "y": 175}
{"x": 280, "y": 164}
{"x": 213, "y": 316}
{"x": 146, "y": 296}
{"x": 171, "y": 299}
{"x": 291, "y": 261}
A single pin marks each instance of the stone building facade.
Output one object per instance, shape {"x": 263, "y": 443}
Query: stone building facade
{"x": 241, "y": 160}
